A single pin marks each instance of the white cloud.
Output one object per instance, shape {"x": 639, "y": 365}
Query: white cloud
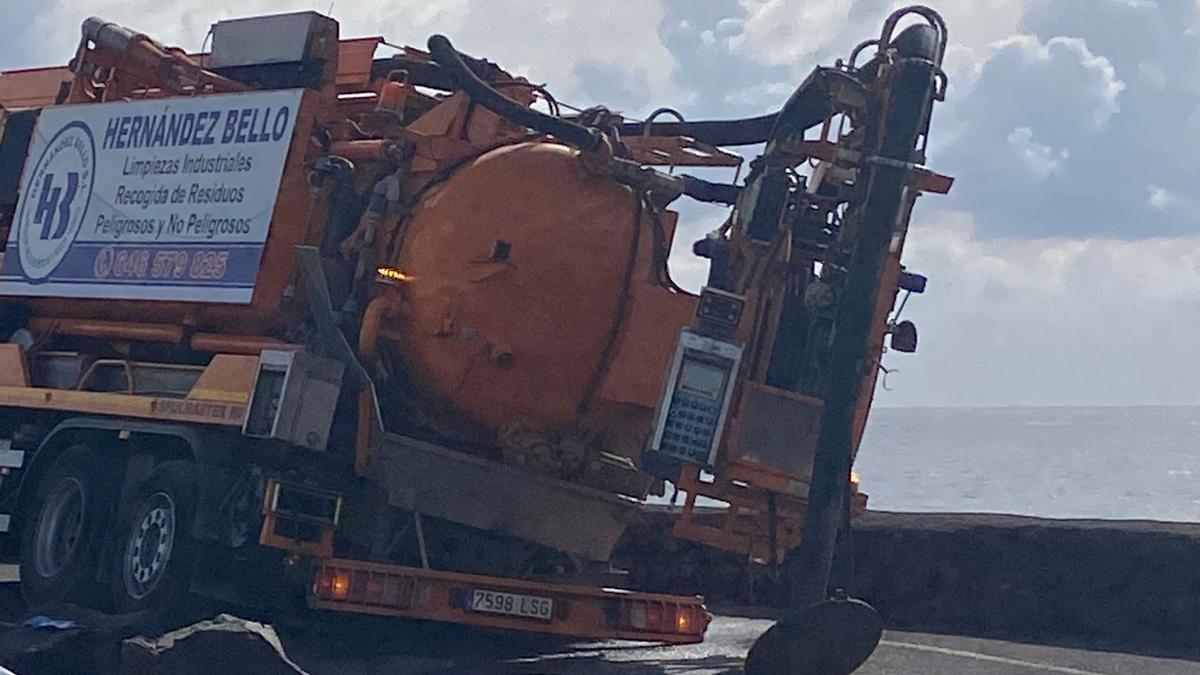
{"x": 1064, "y": 56}
{"x": 1042, "y": 160}
{"x": 1173, "y": 202}
{"x": 1049, "y": 321}
{"x": 977, "y": 24}
{"x": 1101, "y": 269}
{"x": 1153, "y": 74}
{"x": 792, "y": 32}
{"x": 621, "y": 38}
{"x": 762, "y": 94}
{"x": 546, "y": 40}
{"x": 1161, "y": 198}
{"x": 730, "y": 26}
{"x": 782, "y": 31}
{"x": 1023, "y": 132}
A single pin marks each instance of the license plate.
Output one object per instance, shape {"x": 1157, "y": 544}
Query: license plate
{"x": 512, "y": 604}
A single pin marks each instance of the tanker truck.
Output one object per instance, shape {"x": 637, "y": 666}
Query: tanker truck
{"x": 317, "y": 329}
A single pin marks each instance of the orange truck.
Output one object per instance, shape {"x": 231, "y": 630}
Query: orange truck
{"x": 308, "y": 327}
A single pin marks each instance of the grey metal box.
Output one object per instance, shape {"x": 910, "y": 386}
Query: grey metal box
{"x": 260, "y": 40}
{"x": 778, "y": 429}
{"x": 295, "y": 396}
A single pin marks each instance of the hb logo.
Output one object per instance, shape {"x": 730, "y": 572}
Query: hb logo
{"x": 55, "y": 200}
{"x": 54, "y": 207}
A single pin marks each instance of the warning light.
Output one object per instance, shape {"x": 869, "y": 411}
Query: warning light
{"x": 683, "y": 621}
{"x": 855, "y": 479}
{"x": 658, "y": 617}
{"x": 341, "y": 584}
{"x": 392, "y": 275}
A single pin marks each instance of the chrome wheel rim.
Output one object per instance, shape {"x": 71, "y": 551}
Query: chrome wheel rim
{"x": 59, "y": 528}
{"x": 148, "y": 552}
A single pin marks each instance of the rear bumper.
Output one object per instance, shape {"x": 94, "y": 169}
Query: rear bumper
{"x": 575, "y": 611}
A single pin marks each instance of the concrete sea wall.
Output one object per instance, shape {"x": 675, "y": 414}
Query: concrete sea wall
{"x": 1119, "y": 583}
{"x": 1128, "y": 583}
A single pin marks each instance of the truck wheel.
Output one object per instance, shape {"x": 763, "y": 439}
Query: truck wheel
{"x": 155, "y": 549}
{"x": 59, "y": 541}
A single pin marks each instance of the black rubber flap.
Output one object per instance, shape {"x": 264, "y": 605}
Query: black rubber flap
{"x": 829, "y": 638}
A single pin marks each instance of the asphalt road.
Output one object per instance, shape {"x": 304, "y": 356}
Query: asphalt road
{"x": 446, "y": 651}
{"x": 370, "y": 646}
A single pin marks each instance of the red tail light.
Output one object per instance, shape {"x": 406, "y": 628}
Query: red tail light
{"x": 332, "y": 583}
{"x": 364, "y": 587}
{"x": 661, "y": 617}
{"x": 323, "y": 583}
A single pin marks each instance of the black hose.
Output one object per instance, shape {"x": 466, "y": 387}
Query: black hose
{"x": 482, "y": 93}
{"x": 451, "y": 65}
{"x": 424, "y": 73}
{"x": 714, "y": 132}
{"x": 708, "y": 191}
{"x": 811, "y": 104}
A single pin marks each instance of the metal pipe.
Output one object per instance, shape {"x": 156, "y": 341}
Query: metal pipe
{"x": 663, "y": 186}
{"x": 932, "y": 17}
{"x": 482, "y": 93}
{"x": 368, "y": 334}
{"x": 649, "y": 121}
{"x": 379, "y": 150}
{"x": 108, "y": 330}
{"x": 813, "y": 102}
{"x": 708, "y": 191}
{"x": 225, "y": 343}
{"x": 746, "y": 131}
{"x": 140, "y": 47}
{"x": 899, "y": 124}
{"x": 107, "y": 34}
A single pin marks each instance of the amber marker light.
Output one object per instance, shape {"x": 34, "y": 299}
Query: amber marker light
{"x": 341, "y": 584}
{"x": 392, "y": 275}
{"x": 683, "y": 621}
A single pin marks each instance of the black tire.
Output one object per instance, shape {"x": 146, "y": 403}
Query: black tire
{"x": 60, "y": 537}
{"x": 155, "y": 551}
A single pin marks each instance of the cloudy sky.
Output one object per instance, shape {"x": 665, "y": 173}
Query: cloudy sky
{"x": 1065, "y": 267}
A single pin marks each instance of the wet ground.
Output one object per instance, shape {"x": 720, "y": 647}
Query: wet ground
{"x": 354, "y": 645}
{"x": 442, "y": 652}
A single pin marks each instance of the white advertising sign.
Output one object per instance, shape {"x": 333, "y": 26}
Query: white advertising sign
{"x": 166, "y": 199}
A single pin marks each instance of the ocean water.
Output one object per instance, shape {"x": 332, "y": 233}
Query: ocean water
{"x": 1122, "y": 463}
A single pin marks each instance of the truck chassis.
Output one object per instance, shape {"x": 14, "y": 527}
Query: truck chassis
{"x": 132, "y": 435}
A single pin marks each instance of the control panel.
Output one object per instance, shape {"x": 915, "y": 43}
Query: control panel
{"x": 696, "y": 397}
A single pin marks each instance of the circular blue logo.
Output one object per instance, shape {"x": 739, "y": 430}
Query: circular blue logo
{"x": 56, "y": 200}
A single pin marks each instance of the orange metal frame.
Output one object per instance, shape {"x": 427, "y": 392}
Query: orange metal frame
{"x": 745, "y": 526}
{"x": 269, "y": 536}
{"x": 218, "y": 397}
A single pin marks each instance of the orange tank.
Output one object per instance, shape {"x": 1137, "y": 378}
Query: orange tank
{"x": 518, "y": 284}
